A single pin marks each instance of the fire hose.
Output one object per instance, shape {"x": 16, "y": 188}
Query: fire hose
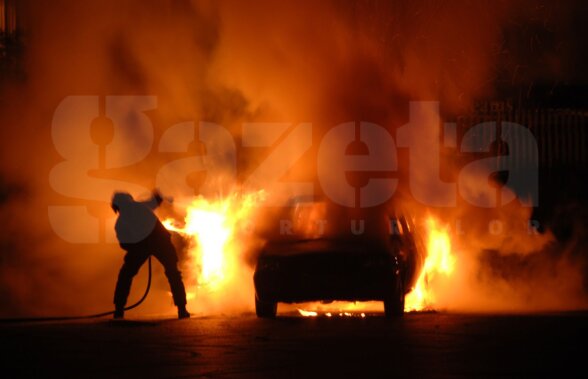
{"x": 96, "y": 315}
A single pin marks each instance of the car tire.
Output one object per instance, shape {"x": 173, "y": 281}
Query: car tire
{"x": 394, "y": 301}
{"x": 264, "y": 309}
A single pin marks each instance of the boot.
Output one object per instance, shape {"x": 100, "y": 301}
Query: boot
{"x": 119, "y": 313}
{"x": 182, "y": 312}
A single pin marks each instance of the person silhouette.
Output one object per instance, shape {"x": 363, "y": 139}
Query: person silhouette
{"x": 141, "y": 234}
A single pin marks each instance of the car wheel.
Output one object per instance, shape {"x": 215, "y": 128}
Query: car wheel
{"x": 264, "y": 309}
{"x": 394, "y": 301}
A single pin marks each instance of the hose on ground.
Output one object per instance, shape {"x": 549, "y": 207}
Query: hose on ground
{"x": 96, "y": 315}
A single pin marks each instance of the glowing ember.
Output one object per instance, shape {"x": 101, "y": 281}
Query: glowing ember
{"x": 439, "y": 261}
{"x": 307, "y": 313}
{"x": 213, "y": 228}
{"x": 340, "y": 309}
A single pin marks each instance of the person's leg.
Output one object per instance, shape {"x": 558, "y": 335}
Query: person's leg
{"x": 134, "y": 259}
{"x": 166, "y": 254}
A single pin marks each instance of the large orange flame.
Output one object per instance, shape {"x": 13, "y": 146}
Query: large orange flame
{"x": 439, "y": 261}
{"x": 214, "y": 230}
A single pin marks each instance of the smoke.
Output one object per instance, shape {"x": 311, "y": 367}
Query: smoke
{"x": 225, "y": 63}
{"x": 94, "y": 48}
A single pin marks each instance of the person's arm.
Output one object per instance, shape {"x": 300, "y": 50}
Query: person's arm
{"x": 155, "y": 200}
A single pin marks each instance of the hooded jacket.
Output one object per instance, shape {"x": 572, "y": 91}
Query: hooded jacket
{"x": 136, "y": 220}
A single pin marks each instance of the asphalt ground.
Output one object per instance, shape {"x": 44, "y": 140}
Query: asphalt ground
{"x": 417, "y": 345}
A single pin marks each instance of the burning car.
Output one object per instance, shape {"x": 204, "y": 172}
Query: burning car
{"x": 377, "y": 256}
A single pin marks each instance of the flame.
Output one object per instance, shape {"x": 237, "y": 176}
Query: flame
{"x": 309, "y": 219}
{"x": 307, "y": 313}
{"x": 214, "y": 229}
{"x": 439, "y": 261}
{"x": 339, "y": 309}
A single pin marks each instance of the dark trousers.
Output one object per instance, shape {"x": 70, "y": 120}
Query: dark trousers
{"x": 159, "y": 245}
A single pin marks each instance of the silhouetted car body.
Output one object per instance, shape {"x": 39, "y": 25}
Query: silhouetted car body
{"x": 348, "y": 268}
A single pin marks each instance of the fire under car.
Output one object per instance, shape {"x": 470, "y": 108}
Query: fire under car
{"x": 326, "y": 254}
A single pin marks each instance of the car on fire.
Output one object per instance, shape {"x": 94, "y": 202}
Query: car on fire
{"x": 323, "y": 253}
